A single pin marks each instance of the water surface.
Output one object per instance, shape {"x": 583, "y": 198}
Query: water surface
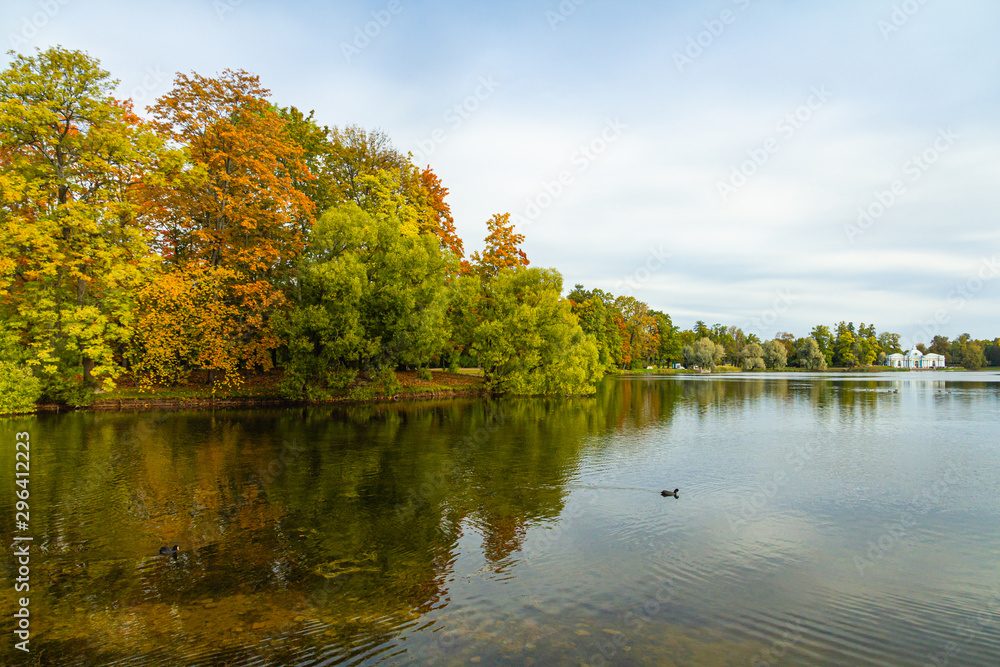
{"x": 822, "y": 519}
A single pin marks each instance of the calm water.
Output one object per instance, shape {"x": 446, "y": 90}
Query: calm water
{"x": 821, "y": 520}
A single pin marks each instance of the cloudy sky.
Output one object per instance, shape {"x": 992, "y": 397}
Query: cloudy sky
{"x": 764, "y": 163}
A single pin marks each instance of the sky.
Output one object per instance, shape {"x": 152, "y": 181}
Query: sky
{"x": 767, "y": 164}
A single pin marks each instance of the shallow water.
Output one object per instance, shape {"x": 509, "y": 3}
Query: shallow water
{"x": 822, "y": 519}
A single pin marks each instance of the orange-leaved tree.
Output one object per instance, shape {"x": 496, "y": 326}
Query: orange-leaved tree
{"x": 435, "y": 212}
{"x": 502, "y": 249}
{"x": 232, "y": 213}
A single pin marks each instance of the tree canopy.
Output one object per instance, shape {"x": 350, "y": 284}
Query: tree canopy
{"x": 228, "y": 236}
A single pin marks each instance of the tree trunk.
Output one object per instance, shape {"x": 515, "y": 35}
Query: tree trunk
{"x": 88, "y": 363}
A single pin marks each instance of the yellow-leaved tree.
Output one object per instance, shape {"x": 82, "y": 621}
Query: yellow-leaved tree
{"x": 73, "y": 246}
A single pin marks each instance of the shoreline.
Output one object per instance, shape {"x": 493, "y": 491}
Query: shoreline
{"x": 260, "y": 392}
{"x": 862, "y": 369}
{"x": 152, "y": 403}
{"x": 471, "y": 389}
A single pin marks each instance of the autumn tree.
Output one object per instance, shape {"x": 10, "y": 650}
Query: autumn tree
{"x": 503, "y": 248}
{"x": 234, "y": 210}
{"x": 186, "y": 320}
{"x": 358, "y": 155}
{"x": 435, "y": 212}
{"x": 73, "y": 248}
{"x": 352, "y": 164}
{"x": 641, "y": 330}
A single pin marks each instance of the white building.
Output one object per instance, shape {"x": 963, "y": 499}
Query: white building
{"x": 915, "y": 359}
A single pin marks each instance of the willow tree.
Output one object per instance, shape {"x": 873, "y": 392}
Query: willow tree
{"x": 529, "y": 341}
{"x": 374, "y": 296}
{"x": 73, "y": 246}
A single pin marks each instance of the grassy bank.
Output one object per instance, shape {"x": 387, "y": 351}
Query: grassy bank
{"x": 263, "y": 389}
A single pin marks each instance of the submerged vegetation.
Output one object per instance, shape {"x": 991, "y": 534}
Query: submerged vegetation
{"x": 231, "y": 238}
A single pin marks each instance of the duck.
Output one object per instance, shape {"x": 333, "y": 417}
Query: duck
{"x": 666, "y": 493}
{"x": 167, "y": 551}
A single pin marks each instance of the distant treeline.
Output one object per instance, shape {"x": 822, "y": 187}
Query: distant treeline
{"x": 229, "y": 235}
{"x": 842, "y": 346}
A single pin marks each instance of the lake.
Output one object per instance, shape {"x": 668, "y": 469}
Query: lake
{"x": 822, "y": 519}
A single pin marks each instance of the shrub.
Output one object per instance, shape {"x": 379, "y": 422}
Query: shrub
{"x": 19, "y": 388}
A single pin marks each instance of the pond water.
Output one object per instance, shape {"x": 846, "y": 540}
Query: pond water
{"x": 821, "y": 519}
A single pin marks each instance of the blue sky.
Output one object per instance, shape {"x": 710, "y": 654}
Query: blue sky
{"x": 712, "y": 159}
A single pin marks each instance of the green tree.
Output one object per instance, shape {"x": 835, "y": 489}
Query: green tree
{"x": 810, "y": 356}
{"x": 374, "y": 295}
{"x": 889, "y": 342}
{"x": 317, "y": 183}
{"x": 788, "y": 341}
{"x": 598, "y": 316}
{"x": 992, "y": 352}
{"x": 529, "y": 341}
{"x": 775, "y": 354}
{"x": 824, "y": 340}
{"x": 19, "y": 388}
{"x": 968, "y": 352}
{"x": 844, "y": 347}
{"x": 703, "y": 353}
{"x": 465, "y": 299}
{"x": 752, "y": 357}
{"x": 671, "y": 349}
{"x": 352, "y": 164}
{"x": 941, "y": 345}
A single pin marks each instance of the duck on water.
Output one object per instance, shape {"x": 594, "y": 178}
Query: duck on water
{"x": 666, "y": 494}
